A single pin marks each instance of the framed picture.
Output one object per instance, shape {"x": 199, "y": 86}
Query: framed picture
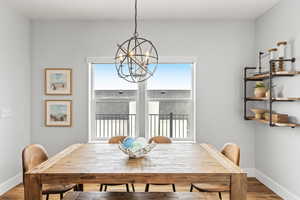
{"x": 58, "y": 113}
{"x": 58, "y": 81}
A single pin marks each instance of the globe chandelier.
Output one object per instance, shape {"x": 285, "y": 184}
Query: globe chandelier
{"x": 136, "y": 59}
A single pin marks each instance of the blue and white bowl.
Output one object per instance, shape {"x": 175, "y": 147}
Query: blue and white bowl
{"x": 136, "y": 147}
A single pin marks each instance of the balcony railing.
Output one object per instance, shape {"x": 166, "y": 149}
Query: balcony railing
{"x": 171, "y": 125}
{"x": 110, "y": 125}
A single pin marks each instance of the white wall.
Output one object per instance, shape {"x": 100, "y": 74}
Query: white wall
{"x": 222, "y": 49}
{"x": 15, "y": 91}
{"x": 278, "y": 149}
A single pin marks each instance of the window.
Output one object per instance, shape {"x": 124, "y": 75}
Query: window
{"x": 161, "y": 106}
{"x": 171, "y": 89}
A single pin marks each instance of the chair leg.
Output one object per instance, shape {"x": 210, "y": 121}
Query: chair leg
{"x": 47, "y": 197}
{"x": 173, "y": 186}
{"x": 133, "y": 189}
{"x": 192, "y": 187}
{"x": 127, "y": 188}
{"x": 61, "y": 196}
{"x": 105, "y": 188}
{"x": 80, "y": 187}
{"x": 220, "y": 195}
{"x": 147, "y": 188}
{"x": 101, "y": 187}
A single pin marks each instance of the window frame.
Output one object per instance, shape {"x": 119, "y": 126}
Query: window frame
{"x": 163, "y": 60}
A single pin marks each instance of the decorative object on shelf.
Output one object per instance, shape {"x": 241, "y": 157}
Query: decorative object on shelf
{"x": 136, "y": 148}
{"x": 269, "y": 92}
{"x": 58, "y": 113}
{"x": 58, "y": 81}
{"x": 281, "y": 54}
{"x": 273, "y": 57}
{"x": 259, "y": 64}
{"x": 260, "y": 89}
{"x": 136, "y": 59}
{"x": 279, "y": 91}
{"x": 277, "y": 118}
{"x": 258, "y": 113}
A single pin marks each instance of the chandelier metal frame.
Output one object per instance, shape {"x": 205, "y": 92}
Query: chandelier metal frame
{"x": 136, "y": 59}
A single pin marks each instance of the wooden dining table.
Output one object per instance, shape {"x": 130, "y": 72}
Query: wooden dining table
{"x": 165, "y": 164}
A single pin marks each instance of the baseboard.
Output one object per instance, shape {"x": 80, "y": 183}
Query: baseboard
{"x": 250, "y": 172}
{"x": 270, "y": 183}
{"x": 10, "y": 183}
{"x": 275, "y": 187}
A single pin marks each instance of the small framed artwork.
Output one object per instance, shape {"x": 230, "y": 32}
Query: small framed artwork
{"x": 58, "y": 113}
{"x": 58, "y": 81}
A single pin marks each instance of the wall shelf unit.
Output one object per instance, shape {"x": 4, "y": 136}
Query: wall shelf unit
{"x": 270, "y": 100}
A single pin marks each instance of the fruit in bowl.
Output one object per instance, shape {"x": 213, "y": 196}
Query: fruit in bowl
{"x": 136, "y": 147}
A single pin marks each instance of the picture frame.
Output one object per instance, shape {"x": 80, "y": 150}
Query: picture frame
{"x": 58, "y": 81}
{"x": 58, "y": 113}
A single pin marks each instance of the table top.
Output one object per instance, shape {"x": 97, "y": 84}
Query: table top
{"x": 163, "y": 159}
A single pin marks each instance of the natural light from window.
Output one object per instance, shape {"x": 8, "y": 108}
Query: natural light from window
{"x": 167, "y": 77}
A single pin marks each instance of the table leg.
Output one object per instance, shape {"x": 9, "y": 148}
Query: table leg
{"x": 238, "y": 187}
{"x": 33, "y": 187}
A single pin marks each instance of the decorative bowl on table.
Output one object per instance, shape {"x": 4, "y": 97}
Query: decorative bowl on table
{"x": 136, "y": 147}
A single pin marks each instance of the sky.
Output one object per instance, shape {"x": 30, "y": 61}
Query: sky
{"x": 166, "y": 76}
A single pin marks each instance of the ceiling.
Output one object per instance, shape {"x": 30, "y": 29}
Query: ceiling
{"x": 148, "y": 9}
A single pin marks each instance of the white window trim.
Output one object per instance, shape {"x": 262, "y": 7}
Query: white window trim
{"x": 162, "y": 60}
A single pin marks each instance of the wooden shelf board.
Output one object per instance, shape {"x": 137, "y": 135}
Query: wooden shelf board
{"x": 274, "y": 99}
{"x": 275, "y": 124}
{"x": 266, "y": 75}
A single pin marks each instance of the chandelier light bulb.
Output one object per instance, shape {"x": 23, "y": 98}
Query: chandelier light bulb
{"x": 131, "y": 54}
{"x": 121, "y": 57}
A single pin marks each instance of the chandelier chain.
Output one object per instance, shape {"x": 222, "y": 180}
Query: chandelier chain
{"x": 135, "y": 19}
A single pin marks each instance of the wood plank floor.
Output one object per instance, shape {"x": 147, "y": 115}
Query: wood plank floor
{"x": 256, "y": 191}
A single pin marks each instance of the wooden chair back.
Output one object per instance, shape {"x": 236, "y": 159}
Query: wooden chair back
{"x": 160, "y": 140}
{"x": 232, "y": 152}
{"x": 116, "y": 139}
{"x": 32, "y": 156}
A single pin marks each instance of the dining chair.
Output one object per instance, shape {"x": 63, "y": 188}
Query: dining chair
{"x": 116, "y": 140}
{"x": 160, "y": 140}
{"x": 232, "y": 152}
{"x": 35, "y": 154}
